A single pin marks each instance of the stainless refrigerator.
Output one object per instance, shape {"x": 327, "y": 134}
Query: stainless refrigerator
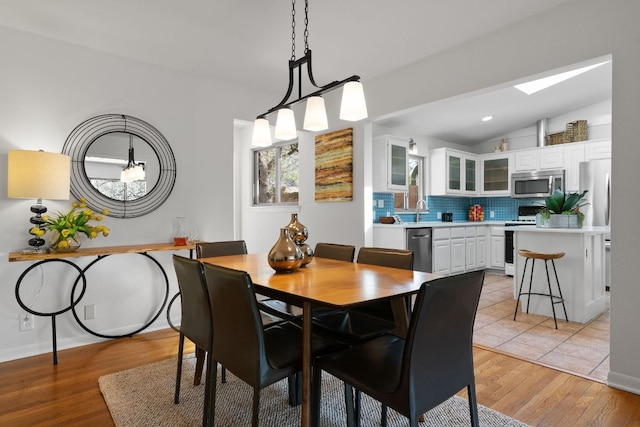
{"x": 595, "y": 176}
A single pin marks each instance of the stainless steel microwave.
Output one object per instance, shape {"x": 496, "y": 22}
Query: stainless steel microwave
{"x": 540, "y": 183}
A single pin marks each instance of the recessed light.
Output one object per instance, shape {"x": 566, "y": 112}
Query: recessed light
{"x": 487, "y": 118}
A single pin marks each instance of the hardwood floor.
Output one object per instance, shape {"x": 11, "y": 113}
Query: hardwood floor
{"x": 33, "y": 392}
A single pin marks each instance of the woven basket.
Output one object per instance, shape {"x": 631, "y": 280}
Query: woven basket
{"x": 556, "y": 138}
{"x": 576, "y": 131}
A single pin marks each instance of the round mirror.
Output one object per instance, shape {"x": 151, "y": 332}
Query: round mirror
{"x": 120, "y": 163}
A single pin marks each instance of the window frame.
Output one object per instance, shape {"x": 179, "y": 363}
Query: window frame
{"x": 278, "y": 171}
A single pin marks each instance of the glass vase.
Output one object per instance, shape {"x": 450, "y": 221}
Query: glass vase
{"x": 285, "y": 256}
{"x": 181, "y": 231}
{"x": 59, "y": 243}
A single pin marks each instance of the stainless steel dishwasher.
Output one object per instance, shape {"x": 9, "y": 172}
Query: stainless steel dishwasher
{"x": 419, "y": 241}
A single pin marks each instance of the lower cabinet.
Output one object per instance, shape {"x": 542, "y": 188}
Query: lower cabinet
{"x": 441, "y": 250}
{"x": 497, "y": 247}
{"x": 458, "y": 250}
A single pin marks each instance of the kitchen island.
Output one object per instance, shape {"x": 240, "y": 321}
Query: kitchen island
{"x": 581, "y": 271}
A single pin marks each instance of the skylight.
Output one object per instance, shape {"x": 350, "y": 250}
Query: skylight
{"x": 540, "y": 84}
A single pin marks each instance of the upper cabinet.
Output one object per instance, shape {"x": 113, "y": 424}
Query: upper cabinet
{"x": 597, "y": 150}
{"x": 496, "y": 174}
{"x": 390, "y": 155}
{"x": 551, "y": 157}
{"x": 453, "y": 173}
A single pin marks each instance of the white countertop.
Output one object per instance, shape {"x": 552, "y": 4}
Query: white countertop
{"x": 583, "y": 230}
{"x": 436, "y": 224}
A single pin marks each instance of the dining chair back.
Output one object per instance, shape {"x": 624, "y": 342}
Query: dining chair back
{"x": 335, "y": 251}
{"x": 434, "y": 362}
{"x": 257, "y": 355}
{"x": 370, "y": 320}
{"x": 196, "y": 313}
{"x": 211, "y": 249}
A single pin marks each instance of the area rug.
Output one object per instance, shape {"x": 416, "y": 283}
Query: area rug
{"x": 143, "y": 397}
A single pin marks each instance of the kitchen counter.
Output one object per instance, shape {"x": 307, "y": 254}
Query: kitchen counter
{"x": 436, "y": 224}
{"x": 581, "y": 271}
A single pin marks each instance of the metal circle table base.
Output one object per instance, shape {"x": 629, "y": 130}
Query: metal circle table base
{"x": 53, "y": 314}
{"x": 146, "y": 325}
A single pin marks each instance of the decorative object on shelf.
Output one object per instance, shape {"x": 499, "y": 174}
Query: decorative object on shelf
{"x": 182, "y": 233}
{"x": 68, "y": 230}
{"x": 574, "y": 132}
{"x": 352, "y": 108}
{"x": 334, "y": 166}
{"x": 561, "y": 210}
{"x": 285, "y": 256}
{"x": 37, "y": 175}
{"x": 98, "y": 134}
{"x": 299, "y": 235}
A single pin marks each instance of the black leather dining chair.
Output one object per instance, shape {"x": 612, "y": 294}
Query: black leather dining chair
{"x": 196, "y": 316}
{"x": 415, "y": 374}
{"x": 257, "y": 355}
{"x": 367, "y": 321}
{"x": 293, "y": 312}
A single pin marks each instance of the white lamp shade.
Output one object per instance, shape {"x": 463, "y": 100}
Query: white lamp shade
{"x": 315, "y": 116}
{"x": 261, "y": 133}
{"x": 353, "y": 106}
{"x": 285, "y": 124}
{"x": 38, "y": 175}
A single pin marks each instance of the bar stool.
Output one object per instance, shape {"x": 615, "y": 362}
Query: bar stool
{"x": 533, "y": 256}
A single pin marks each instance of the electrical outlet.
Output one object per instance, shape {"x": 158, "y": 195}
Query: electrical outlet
{"x": 381, "y": 203}
{"x": 492, "y": 214}
{"x": 26, "y": 322}
{"x": 89, "y": 312}
{"x": 439, "y": 215}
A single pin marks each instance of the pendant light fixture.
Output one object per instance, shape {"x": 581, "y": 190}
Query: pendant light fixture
{"x": 133, "y": 171}
{"x": 352, "y": 108}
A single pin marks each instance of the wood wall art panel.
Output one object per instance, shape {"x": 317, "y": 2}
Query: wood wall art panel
{"x": 334, "y": 166}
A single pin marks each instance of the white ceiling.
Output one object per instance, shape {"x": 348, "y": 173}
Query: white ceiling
{"x": 250, "y": 42}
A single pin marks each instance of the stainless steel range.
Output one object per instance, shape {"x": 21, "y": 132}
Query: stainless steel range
{"x": 526, "y": 216}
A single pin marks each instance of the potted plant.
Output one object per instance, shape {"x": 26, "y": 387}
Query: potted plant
{"x": 562, "y": 210}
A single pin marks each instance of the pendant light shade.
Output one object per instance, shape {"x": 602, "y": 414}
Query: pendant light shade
{"x": 285, "y": 125}
{"x": 315, "y": 116}
{"x": 353, "y": 106}
{"x": 261, "y": 133}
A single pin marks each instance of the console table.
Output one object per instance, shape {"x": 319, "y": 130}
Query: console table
{"x": 100, "y": 253}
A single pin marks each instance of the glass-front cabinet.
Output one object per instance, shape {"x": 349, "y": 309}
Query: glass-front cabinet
{"x": 496, "y": 170}
{"x": 390, "y": 160}
{"x": 453, "y": 173}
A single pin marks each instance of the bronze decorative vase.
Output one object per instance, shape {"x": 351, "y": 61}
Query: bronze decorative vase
{"x": 285, "y": 256}
{"x": 298, "y": 231}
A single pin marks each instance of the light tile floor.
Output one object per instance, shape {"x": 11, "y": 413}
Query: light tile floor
{"x": 573, "y": 347}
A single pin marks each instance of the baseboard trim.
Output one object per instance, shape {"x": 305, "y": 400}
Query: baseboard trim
{"x": 624, "y": 382}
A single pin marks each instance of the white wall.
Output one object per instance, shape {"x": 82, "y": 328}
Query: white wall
{"x": 48, "y": 88}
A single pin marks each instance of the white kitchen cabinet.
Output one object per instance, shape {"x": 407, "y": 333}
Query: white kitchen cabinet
{"x": 481, "y": 247}
{"x": 390, "y": 156}
{"x": 550, "y": 157}
{"x": 453, "y": 173}
{"x": 573, "y": 155}
{"x": 597, "y": 150}
{"x": 471, "y": 247}
{"x": 497, "y": 247}
{"x": 441, "y": 250}
{"x": 496, "y": 172}
{"x": 458, "y": 250}
{"x": 390, "y": 237}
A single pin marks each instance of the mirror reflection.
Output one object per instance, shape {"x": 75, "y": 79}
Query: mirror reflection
{"x": 121, "y": 166}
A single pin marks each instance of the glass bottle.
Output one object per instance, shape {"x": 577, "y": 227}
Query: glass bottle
{"x": 181, "y": 233}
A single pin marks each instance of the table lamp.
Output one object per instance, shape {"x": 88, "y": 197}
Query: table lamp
{"x": 38, "y": 175}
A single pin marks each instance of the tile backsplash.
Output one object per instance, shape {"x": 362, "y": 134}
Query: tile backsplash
{"x": 504, "y": 208}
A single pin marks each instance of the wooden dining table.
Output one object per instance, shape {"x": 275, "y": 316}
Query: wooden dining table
{"x": 328, "y": 282}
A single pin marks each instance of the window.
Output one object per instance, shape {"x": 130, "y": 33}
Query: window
{"x": 415, "y": 173}
{"x": 276, "y": 174}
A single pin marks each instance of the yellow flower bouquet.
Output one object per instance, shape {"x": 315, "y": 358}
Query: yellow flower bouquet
{"x": 67, "y": 230}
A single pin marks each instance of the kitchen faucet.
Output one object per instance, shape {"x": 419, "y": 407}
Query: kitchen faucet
{"x": 421, "y": 203}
